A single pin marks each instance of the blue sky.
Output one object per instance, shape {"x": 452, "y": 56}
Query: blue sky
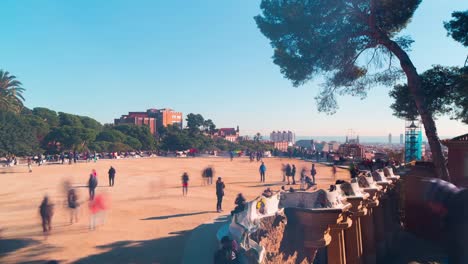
{"x": 105, "y": 58}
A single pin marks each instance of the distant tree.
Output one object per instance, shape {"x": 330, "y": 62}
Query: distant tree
{"x": 443, "y": 93}
{"x": 352, "y": 43}
{"x": 209, "y": 126}
{"x": 37, "y": 125}
{"x": 177, "y": 140}
{"x": 47, "y": 115}
{"x": 69, "y": 120}
{"x": 142, "y": 133}
{"x": 133, "y": 143}
{"x": 111, "y": 135}
{"x": 69, "y": 138}
{"x": 194, "y": 122}
{"x": 88, "y": 122}
{"x": 16, "y": 135}
{"x": 11, "y": 93}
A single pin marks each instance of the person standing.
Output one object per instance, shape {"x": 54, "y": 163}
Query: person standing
{"x": 73, "y": 204}
{"x": 29, "y": 164}
{"x": 293, "y": 174}
{"x": 185, "y": 180}
{"x": 46, "y": 210}
{"x": 262, "y": 170}
{"x": 92, "y": 184}
{"x": 283, "y": 170}
{"x": 288, "y": 171}
{"x": 313, "y": 172}
{"x": 111, "y": 176}
{"x": 219, "y": 194}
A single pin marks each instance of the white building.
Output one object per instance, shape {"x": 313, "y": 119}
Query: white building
{"x": 278, "y": 136}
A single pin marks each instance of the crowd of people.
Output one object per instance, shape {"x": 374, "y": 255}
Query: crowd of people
{"x": 228, "y": 253}
{"x": 96, "y": 202}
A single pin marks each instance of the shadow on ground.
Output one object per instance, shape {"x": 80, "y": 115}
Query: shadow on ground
{"x": 202, "y": 243}
{"x": 177, "y": 215}
{"x": 161, "y": 250}
{"x": 12, "y": 245}
{"x": 199, "y": 243}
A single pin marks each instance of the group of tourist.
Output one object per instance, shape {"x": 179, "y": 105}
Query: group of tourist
{"x": 97, "y": 204}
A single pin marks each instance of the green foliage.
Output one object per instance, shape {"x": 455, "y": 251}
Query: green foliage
{"x": 141, "y": 133}
{"x": 11, "y": 93}
{"x": 69, "y": 138}
{"x": 16, "y": 136}
{"x": 90, "y": 123}
{"x": 457, "y": 28}
{"x": 111, "y": 135}
{"x": 194, "y": 122}
{"x": 346, "y": 41}
{"x": 444, "y": 91}
{"x": 39, "y": 127}
{"x": 47, "y": 115}
{"x": 209, "y": 126}
{"x": 69, "y": 120}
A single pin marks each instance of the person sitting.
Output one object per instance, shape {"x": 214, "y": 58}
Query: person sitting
{"x": 227, "y": 254}
{"x": 240, "y": 204}
{"x": 267, "y": 193}
{"x": 309, "y": 182}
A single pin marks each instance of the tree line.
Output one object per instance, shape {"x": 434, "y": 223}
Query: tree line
{"x": 41, "y": 130}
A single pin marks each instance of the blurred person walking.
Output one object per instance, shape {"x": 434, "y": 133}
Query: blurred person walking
{"x": 92, "y": 184}
{"x": 185, "y": 180}
{"x": 288, "y": 171}
{"x": 29, "y": 164}
{"x": 73, "y": 205}
{"x": 97, "y": 208}
{"x": 46, "y": 210}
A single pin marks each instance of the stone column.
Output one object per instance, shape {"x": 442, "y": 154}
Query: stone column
{"x": 353, "y": 235}
{"x": 336, "y": 249}
{"x": 368, "y": 227}
{"x": 313, "y": 225}
{"x": 379, "y": 221}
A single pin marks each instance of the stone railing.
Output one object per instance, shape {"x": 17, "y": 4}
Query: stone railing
{"x": 354, "y": 223}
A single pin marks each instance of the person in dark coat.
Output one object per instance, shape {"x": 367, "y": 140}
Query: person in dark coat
{"x": 293, "y": 174}
{"x": 219, "y": 194}
{"x": 46, "y": 210}
{"x": 240, "y": 203}
{"x": 73, "y": 204}
{"x": 288, "y": 171}
{"x": 92, "y": 184}
{"x": 227, "y": 254}
{"x": 111, "y": 176}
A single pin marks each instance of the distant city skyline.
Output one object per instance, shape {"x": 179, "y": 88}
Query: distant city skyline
{"x": 105, "y": 58}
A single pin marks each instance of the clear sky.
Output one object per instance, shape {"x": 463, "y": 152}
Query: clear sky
{"x": 105, "y": 58}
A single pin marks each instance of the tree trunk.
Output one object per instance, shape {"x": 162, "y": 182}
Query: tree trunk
{"x": 414, "y": 86}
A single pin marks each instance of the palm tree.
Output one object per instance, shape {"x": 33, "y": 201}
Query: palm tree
{"x": 11, "y": 97}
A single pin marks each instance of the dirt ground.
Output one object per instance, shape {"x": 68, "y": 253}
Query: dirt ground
{"x": 147, "y": 221}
